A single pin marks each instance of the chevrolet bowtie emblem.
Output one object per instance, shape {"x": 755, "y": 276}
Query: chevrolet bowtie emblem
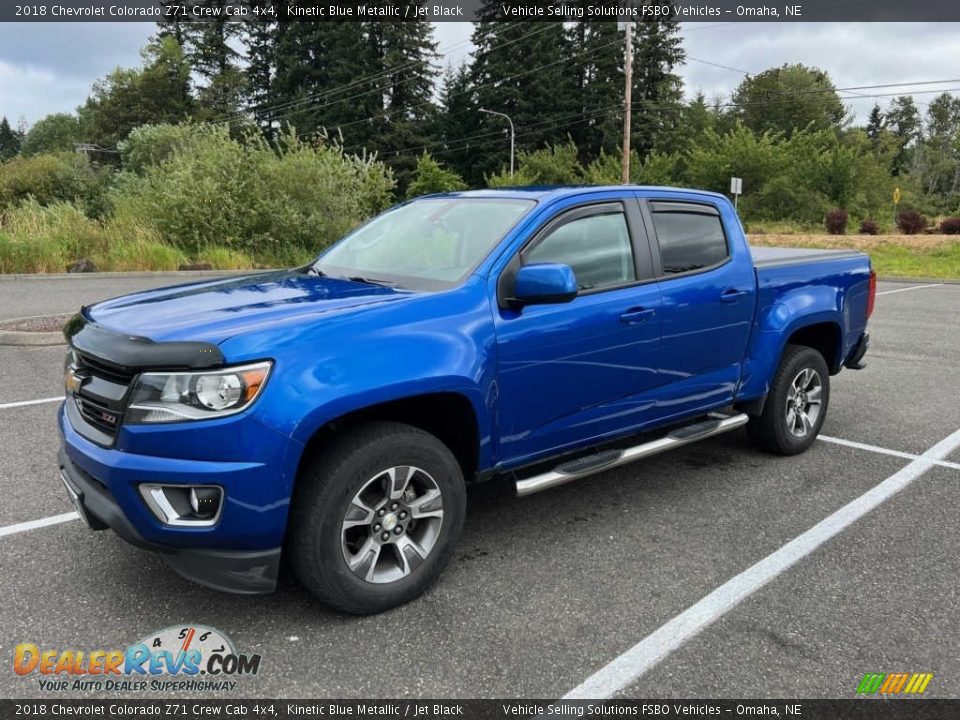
{"x": 72, "y": 380}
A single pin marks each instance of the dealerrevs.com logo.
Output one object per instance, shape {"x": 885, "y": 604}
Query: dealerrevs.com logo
{"x": 187, "y": 658}
{"x": 894, "y": 683}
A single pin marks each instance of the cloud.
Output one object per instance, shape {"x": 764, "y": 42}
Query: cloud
{"x": 854, "y": 54}
{"x": 49, "y": 67}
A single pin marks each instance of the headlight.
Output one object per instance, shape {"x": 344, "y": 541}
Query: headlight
{"x": 201, "y": 395}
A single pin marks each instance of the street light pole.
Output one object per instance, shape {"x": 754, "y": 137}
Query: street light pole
{"x": 504, "y": 115}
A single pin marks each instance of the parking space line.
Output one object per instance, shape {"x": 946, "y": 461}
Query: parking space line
{"x": 24, "y": 403}
{"x": 654, "y": 648}
{"x": 34, "y": 524}
{"x": 885, "y": 451}
{"x": 912, "y": 287}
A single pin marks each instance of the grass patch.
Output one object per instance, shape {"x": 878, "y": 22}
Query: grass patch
{"x": 908, "y": 256}
{"x": 38, "y": 239}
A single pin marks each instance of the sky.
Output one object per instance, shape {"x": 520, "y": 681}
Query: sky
{"x": 49, "y": 67}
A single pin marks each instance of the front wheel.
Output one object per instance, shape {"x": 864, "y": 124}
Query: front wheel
{"x": 376, "y": 517}
{"x": 796, "y": 405}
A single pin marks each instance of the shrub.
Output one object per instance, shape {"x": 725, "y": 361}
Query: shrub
{"x": 431, "y": 177}
{"x": 48, "y": 179}
{"x": 910, "y": 221}
{"x": 553, "y": 165}
{"x": 869, "y": 227}
{"x": 950, "y": 226}
{"x": 150, "y": 145}
{"x": 836, "y": 221}
{"x": 215, "y": 190}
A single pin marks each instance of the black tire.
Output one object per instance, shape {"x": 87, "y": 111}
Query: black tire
{"x": 771, "y": 430}
{"x": 325, "y": 490}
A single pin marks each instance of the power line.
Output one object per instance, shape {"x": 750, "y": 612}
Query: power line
{"x": 327, "y": 93}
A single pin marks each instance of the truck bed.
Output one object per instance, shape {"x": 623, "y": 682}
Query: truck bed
{"x": 776, "y": 256}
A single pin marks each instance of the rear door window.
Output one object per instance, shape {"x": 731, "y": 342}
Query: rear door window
{"x": 689, "y": 239}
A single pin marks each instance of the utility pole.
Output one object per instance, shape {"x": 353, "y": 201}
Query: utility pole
{"x": 627, "y": 97}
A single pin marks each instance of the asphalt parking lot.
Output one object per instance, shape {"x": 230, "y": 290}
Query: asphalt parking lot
{"x": 650, "y": 567}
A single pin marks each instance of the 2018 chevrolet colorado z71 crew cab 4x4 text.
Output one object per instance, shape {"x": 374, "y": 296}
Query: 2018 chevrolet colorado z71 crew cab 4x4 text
{"x": 335, "y": 412}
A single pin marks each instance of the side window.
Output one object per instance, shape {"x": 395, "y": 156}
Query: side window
{"x": 597, "y": 247}
{"x": 689, "y": 240}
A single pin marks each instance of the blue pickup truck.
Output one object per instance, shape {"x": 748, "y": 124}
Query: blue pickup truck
{"x": 334, "y": 413}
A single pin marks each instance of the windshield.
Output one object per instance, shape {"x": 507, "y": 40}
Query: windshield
{"x": 427, "y": 244}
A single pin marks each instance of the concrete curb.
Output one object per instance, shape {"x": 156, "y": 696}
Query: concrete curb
{"x": 129, "y": 274}
{"x": 28, "y": 338}
{"x": 21, "y": 338}
{"x": 918, "y": 281}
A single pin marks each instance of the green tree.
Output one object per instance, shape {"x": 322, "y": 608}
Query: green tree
{"x": 936, "y": 162}
{"x": 903, "y": 120}
{"x": 787, "y": 99}
{"x": 597, "y": 64}
{"x": 315, "y": 81}
{"x": 209, "y": 49}
{"x": 155, "y": 93}
{"x": 431, "y": 177}
{"x": 875, "y": 125}
{"x": 10, "y": 140}
{"x": 657, "y": 89}
{"x": 458, "y": 119}
{"x": 406, "y": 51}
{"x": 53, "y": 133}
{"x": 523, "y": 70}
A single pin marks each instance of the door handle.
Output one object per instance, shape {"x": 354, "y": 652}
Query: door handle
{"x": 732, "y": 295}
{"x": 636, "y": 315}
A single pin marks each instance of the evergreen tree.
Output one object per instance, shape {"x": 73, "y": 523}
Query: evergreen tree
{"x": 458, "y": 119}
{"x": 523, "y": 70}
{"x": 173, "y": 22}
{"x": 207, "y": 47}
{"x": 657, "y": 89}
{"x": 10, "y": 140}
{"x": 597, "y": 58}
{"x": 314, "y": 85}
{"x": 406, "y": 51}
{"x": 875, "y": 125}
{"x": 260, "y": 37}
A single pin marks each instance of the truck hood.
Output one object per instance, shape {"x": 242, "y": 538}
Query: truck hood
{"x": 215, "y": 310}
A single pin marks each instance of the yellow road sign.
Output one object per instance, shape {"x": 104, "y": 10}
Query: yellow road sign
{"x": 896, "y": 196}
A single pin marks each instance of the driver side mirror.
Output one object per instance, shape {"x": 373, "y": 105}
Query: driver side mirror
{"x": 543, "y": 283}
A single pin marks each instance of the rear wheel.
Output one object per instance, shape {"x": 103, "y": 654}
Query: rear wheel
{"x": 376, "y": 517}
{"x": 796, "y": 405}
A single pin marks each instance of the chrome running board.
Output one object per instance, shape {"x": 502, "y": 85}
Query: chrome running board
{"x": 607, "y": 459}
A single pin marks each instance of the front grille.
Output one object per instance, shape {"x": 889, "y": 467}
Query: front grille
{"x": 98, "y": 414}
{"x": 99, "y": 368}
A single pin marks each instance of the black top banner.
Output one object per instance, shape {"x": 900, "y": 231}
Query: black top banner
{"x": 273, "y": 709}
{"x": 471, "y": 10}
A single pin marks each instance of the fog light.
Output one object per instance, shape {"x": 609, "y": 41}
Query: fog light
{"x": 184, "y": 505}
{"x": 205, "y": 501}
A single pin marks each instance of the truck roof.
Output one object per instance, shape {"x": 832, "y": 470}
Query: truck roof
{"x": 555, "y": 192}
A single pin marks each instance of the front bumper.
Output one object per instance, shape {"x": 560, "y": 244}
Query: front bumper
{"x": 240, "y": 554}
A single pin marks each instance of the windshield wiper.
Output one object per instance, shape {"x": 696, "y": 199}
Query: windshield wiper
{"x": 312, "y": 270}
{"x": 373, "y": 281}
